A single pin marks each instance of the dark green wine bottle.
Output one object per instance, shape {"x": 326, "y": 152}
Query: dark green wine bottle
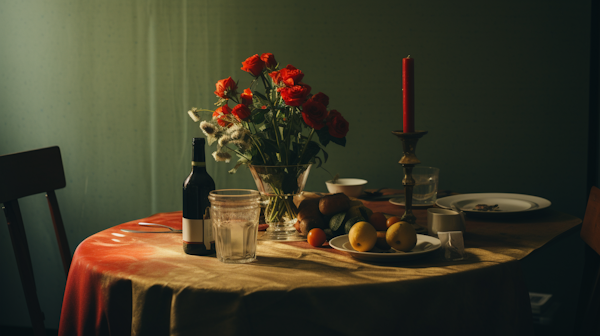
{"x": 197, "y": 231}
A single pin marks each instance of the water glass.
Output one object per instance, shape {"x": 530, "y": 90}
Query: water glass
{"x": 426, "y": 185}
{"x": 234, "y": 214}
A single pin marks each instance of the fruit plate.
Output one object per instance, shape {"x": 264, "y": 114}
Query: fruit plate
{"x": 425, "y": 244}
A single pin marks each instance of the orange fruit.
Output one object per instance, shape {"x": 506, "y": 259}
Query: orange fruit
{"x": 381, "y": 240}
{"x": 392, "y": 220}
{"x": 378, "y": 220}
{"x": 316, "y": 237}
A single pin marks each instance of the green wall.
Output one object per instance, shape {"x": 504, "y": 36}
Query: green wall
{"x": 502, "y": 88}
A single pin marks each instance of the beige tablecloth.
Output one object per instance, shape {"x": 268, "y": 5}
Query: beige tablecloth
{"x": 131, "y": 283}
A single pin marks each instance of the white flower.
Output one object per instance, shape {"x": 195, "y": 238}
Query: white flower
{"x": 208, "y": 129}
{"x": 223, "y": 141}
{"x": 221, "y": 156}
{"x": 243, "y": 145}
{"x": 237, "y": 132}
{"x": 194, "y": 114}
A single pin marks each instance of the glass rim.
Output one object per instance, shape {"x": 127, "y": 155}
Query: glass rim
{"x": 232, "y": 193}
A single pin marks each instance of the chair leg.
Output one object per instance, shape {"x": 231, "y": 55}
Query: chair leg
{"x": 59, "y": 229}
{"x": 21, "y": 249}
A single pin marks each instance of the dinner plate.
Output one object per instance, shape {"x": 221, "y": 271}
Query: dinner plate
{"x": 425, "y": 244}
{"x": 507, "y": 203}
{"x": 400, "y": 200}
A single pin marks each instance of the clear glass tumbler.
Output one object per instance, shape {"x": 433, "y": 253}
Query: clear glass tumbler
{"x": 234, "y": 214}
{"x": 426, "y": 185}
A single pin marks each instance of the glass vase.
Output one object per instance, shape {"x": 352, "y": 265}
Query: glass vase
{"x": 278, "y": 185}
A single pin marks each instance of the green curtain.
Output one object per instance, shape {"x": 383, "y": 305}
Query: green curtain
{"x": 501, "y": 87}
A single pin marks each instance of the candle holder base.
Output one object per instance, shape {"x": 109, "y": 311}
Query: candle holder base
{"x": 408, "y": 162}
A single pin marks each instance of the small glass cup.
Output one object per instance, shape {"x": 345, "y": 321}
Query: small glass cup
{"x": 234, "y": 214}
{"x": 426, "y": 185}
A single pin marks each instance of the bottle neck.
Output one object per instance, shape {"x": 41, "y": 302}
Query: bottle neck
{"x": 196, "y": 165}
{"x": 198, "y": 160}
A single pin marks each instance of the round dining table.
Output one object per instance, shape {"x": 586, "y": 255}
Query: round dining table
{"x": 124, "y": 283}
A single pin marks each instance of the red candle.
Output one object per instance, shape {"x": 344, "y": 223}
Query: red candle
{"x": 408, "y": 93}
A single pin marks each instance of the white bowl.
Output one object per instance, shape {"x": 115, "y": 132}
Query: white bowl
{"x": 352, "y": 187}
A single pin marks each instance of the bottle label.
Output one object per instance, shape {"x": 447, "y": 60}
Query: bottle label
{"x": 198, "y": 164}
{"x": 197, "y": 231}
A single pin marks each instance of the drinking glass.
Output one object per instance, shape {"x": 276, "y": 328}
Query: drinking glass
{"x": 426, "y": 185}
{"x": 234, "y": 214}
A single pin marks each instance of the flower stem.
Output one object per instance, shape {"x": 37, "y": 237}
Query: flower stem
{"x": 237, "y": 152}
{"x": 276, "y": 130}
{"x": 312, "y": 131}
{"x": 258, "y": 148}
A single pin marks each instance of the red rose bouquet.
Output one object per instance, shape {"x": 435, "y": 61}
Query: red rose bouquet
{"x": 273, "y": 127}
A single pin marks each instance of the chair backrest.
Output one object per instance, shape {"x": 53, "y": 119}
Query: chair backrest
{"x": 588, "y": 310}
{"x": 25, "y": 174}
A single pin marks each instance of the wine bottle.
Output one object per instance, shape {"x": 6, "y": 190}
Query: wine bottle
{"x": 197, "y": 230}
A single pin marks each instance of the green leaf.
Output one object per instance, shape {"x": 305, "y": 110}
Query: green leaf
{"x": 240, "y": 162}
{"x": 325, "y": 155}
{"x": 335, "y": 223}
{"x": 324, "y": 136}
{"x": 312, "y": 149}
{"x": 350, "y": 222}
{"x": 339, "y": 141}
{"x": 365, "y": 212}
{"x": 258, "y": 117}
{"x": 318, "y": 161}
{"x": 259, "y": 95}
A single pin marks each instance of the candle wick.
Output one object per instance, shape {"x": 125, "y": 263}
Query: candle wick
{"x": 408, "y": 56}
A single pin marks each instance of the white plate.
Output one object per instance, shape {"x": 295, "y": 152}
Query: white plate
{"x": 400, "y": 201}
{"x": 425, "y": 244}
{"x": 507, "y": 203}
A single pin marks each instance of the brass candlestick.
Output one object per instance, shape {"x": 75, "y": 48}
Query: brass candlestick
{"x": 408, "y": 162}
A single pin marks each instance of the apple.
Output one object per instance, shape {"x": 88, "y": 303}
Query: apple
{"x": 401, "y": 236}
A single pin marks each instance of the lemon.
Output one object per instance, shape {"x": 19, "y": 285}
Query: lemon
{"x": 362, "y": 236}
{"x": 401, "y": 236}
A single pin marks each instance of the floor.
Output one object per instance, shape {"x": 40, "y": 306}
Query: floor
{"x": 21, "y": 331}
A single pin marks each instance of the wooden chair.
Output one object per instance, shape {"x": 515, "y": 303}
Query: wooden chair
{"x": 24, "y": 174}
{"x": 588, "y": 310}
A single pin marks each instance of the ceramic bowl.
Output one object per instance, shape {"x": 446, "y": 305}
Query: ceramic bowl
{"x": 352, "y": 187}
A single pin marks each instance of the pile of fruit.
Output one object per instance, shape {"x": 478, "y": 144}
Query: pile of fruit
{"x": 323, "y": 218}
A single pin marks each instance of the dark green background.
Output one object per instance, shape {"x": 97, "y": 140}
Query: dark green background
{"x": 502, "y": 88}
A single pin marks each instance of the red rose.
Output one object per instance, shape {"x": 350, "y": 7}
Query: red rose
{"x": 253, "y": 65}
{"x": 246, "y": 97}
{"x": 276, "y": 77}
{"x": 337, "y": 125}
{"x": 241, "y": 112}
{"x": 294, "y": 95}
{"x": 291, "y": 76}
{"x": 226, "y": 88}
{"x": 269, "y": 60}
{"x": 314, "y": 113}
{"x": 321, "y": 98}
{"x": 220, "y": 114}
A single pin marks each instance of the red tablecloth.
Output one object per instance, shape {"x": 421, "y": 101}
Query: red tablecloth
{"x": 131, "y": 283}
